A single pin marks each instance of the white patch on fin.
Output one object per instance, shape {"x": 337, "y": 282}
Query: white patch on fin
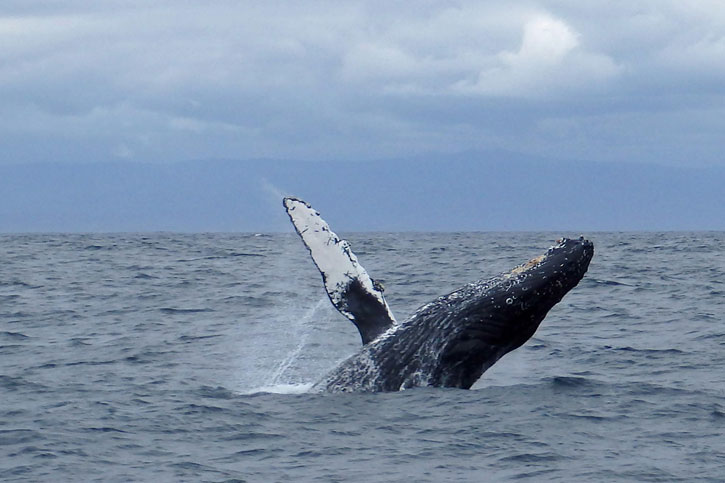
{"x": 340, "y": 269}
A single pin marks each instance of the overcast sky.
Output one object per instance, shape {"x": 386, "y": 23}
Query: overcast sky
{"x": 180, "y": 80}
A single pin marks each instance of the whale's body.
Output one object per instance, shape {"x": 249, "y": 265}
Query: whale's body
{"x": 449, "y": 342}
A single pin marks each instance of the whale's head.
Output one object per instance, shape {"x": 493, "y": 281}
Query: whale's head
{"x": 540, "y": 283}
{"x": 495, "y": 317}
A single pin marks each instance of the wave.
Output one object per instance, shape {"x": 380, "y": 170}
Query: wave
{"x": 171, "y": 310}
{"x": 281, "y": 389}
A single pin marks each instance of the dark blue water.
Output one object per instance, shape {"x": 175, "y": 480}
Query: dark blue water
{"x": 170, "y": 357}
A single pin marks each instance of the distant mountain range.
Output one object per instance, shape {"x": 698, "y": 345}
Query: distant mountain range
{"x": 494, "y": 191}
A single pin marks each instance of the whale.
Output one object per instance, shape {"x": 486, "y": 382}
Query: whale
{"x": 449, "y": 342}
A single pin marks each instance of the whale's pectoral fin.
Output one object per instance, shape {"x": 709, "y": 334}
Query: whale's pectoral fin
{"x": 350, "y": 288}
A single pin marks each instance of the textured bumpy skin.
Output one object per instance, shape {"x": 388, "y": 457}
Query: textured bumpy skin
{"x": 449, "y": 342}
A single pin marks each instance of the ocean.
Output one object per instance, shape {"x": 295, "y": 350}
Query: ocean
{"x": 189, "y": 357}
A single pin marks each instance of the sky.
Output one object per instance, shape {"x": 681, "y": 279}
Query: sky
{"x": 172, "y": 81}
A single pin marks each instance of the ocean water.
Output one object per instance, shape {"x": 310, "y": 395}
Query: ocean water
{"x": 188, "y": 357}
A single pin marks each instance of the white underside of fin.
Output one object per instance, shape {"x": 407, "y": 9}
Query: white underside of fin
{"x": 332, "y": 255}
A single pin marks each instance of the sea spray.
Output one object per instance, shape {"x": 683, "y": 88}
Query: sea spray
{"x": 302, "y": 332}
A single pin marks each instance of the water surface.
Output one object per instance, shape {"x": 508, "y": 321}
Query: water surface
{"x": 177, "y": 357}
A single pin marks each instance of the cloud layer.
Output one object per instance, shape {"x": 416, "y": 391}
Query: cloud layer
{"x": 167, "y": 81}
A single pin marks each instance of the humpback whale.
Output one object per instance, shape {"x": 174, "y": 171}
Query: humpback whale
{"x": 449, "y": 342}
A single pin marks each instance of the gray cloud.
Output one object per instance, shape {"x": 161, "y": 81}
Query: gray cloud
{"x": 167, "y": 81}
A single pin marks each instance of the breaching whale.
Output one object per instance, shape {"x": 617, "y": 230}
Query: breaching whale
{"x": 448, "y": 342}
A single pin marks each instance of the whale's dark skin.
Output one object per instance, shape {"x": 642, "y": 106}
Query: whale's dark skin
{"x": 449, "y": 342}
